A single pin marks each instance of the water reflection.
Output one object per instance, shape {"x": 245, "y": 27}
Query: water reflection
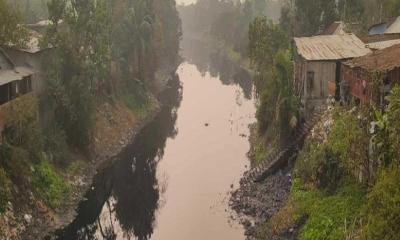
{"x": 125, "y": 195}
{"x": 208, "y": 59}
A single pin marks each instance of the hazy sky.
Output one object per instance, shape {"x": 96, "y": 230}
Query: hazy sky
{"x": 185, "y": 1}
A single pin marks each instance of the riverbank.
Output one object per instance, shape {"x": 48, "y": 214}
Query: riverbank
{"x": 307, "y": 195}
{"x": 116, "y": 127}
{"x": 257, "y": 202}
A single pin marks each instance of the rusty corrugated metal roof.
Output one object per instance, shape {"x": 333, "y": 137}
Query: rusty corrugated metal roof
{"x": 330, "y": 47}
{"x": 383, "y": 44}
{"x": 381, "y": 61}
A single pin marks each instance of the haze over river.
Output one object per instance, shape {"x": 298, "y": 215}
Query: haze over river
{"x": 173, "y": 181}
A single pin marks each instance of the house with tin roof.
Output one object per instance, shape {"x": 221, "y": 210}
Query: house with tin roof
{"x": 317, "y": 65}
{"x": 371, "y": 77}
{"x": 30, "y": 56}
{"x": 15, "y": 81}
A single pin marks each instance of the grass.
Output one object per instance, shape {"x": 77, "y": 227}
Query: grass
{"x": 260, "y": 152}
{"x": 329, "y": 217}
{"x": 321, "y": 216}
{"x": 141, "y": 109}
{"x": 76, "y": 167}
{"x": 50, "y": 185}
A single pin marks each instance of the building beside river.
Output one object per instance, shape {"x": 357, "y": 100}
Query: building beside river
{"x": 21, "y": 72}
{"x": 317, "y": 65}
{"x": 370, "y": 78}
{"x": 14, "y": 82}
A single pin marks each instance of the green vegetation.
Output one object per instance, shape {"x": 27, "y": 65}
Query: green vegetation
{"x": 114, "y": 58}
{"x": 271, "y": 59}
{"x": 328, "y": 216}
{"x": 382, "y": 207}
{"x": 50, "y": 185}
{"x": 343, "y": 187}
{"x": 142, "y": 108}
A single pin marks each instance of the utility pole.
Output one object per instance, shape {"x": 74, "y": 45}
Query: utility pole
{"x": 344, "y": 10}
{"x": 293, "y": 16}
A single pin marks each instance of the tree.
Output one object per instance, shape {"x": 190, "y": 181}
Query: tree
{"x": 391, "y": 8}
{"x": 393, "y": 113}
{"x": 78, "y": 69}
{"x": 351, "y": 10}
{"x": 11, "y": 32}
{"x": 311, "y": 15}
{"x": 265, "y": 40}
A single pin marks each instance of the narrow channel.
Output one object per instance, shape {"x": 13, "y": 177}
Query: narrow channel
{"x": 173, "y": 181}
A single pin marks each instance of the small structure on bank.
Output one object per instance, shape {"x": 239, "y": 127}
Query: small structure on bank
{"x": 14, "y": 82}
{"x": 21, "y": 72}
{"x": 370, "y": 78}
{"x": 317, "y": 64}
{"x": 31, "y": 56}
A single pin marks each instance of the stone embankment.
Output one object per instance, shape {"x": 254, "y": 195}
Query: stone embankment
{"x": 259, "y": 198}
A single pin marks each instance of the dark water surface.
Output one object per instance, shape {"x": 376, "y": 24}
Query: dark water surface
{"x": 172, "y": 182}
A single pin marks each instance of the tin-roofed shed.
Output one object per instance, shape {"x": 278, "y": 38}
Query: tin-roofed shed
{"x": 317, "y": 65}
{"x": 382, "y": 66}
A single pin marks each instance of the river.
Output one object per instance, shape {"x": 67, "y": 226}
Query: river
{"x": 173, "y": 182}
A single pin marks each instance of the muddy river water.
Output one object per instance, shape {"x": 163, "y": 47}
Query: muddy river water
{"x": 173, "y": 181}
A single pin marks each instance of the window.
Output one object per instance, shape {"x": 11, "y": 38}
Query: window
{"x": 3, "y": 94}
{"x": 310, "y": 81}
{"x": 25, "y": 85}
{"x": 13, "y": 90}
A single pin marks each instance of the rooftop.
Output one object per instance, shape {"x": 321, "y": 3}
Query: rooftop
{"x": 382, "y": 60}
{"x": 383, "y": 44}
{"x": 330, "y": 47}
{"x": 10, "y": 75}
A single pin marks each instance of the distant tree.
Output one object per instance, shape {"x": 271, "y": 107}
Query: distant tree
{"x": 265, "y": 40}
{"x": 351, "y": 10}
{"x": 314, "y": 15}
{"x": 79, "y": 68}
{"x": 11, "y": 31}
{"x": 391, "y": 8}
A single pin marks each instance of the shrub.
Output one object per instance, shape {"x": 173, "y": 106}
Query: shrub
{"x": 23, "y": 128}
{"x": 15, "y": 161}
{"x": 348, "y": 142}
{"x": 329, "y": 216}
{"x": 56, "y": 145}
{"x": 309, "y": 161}
{"x": 319, "y": 166}
{"x": 50, "y": 185}
{"x": 382, "y": 209}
